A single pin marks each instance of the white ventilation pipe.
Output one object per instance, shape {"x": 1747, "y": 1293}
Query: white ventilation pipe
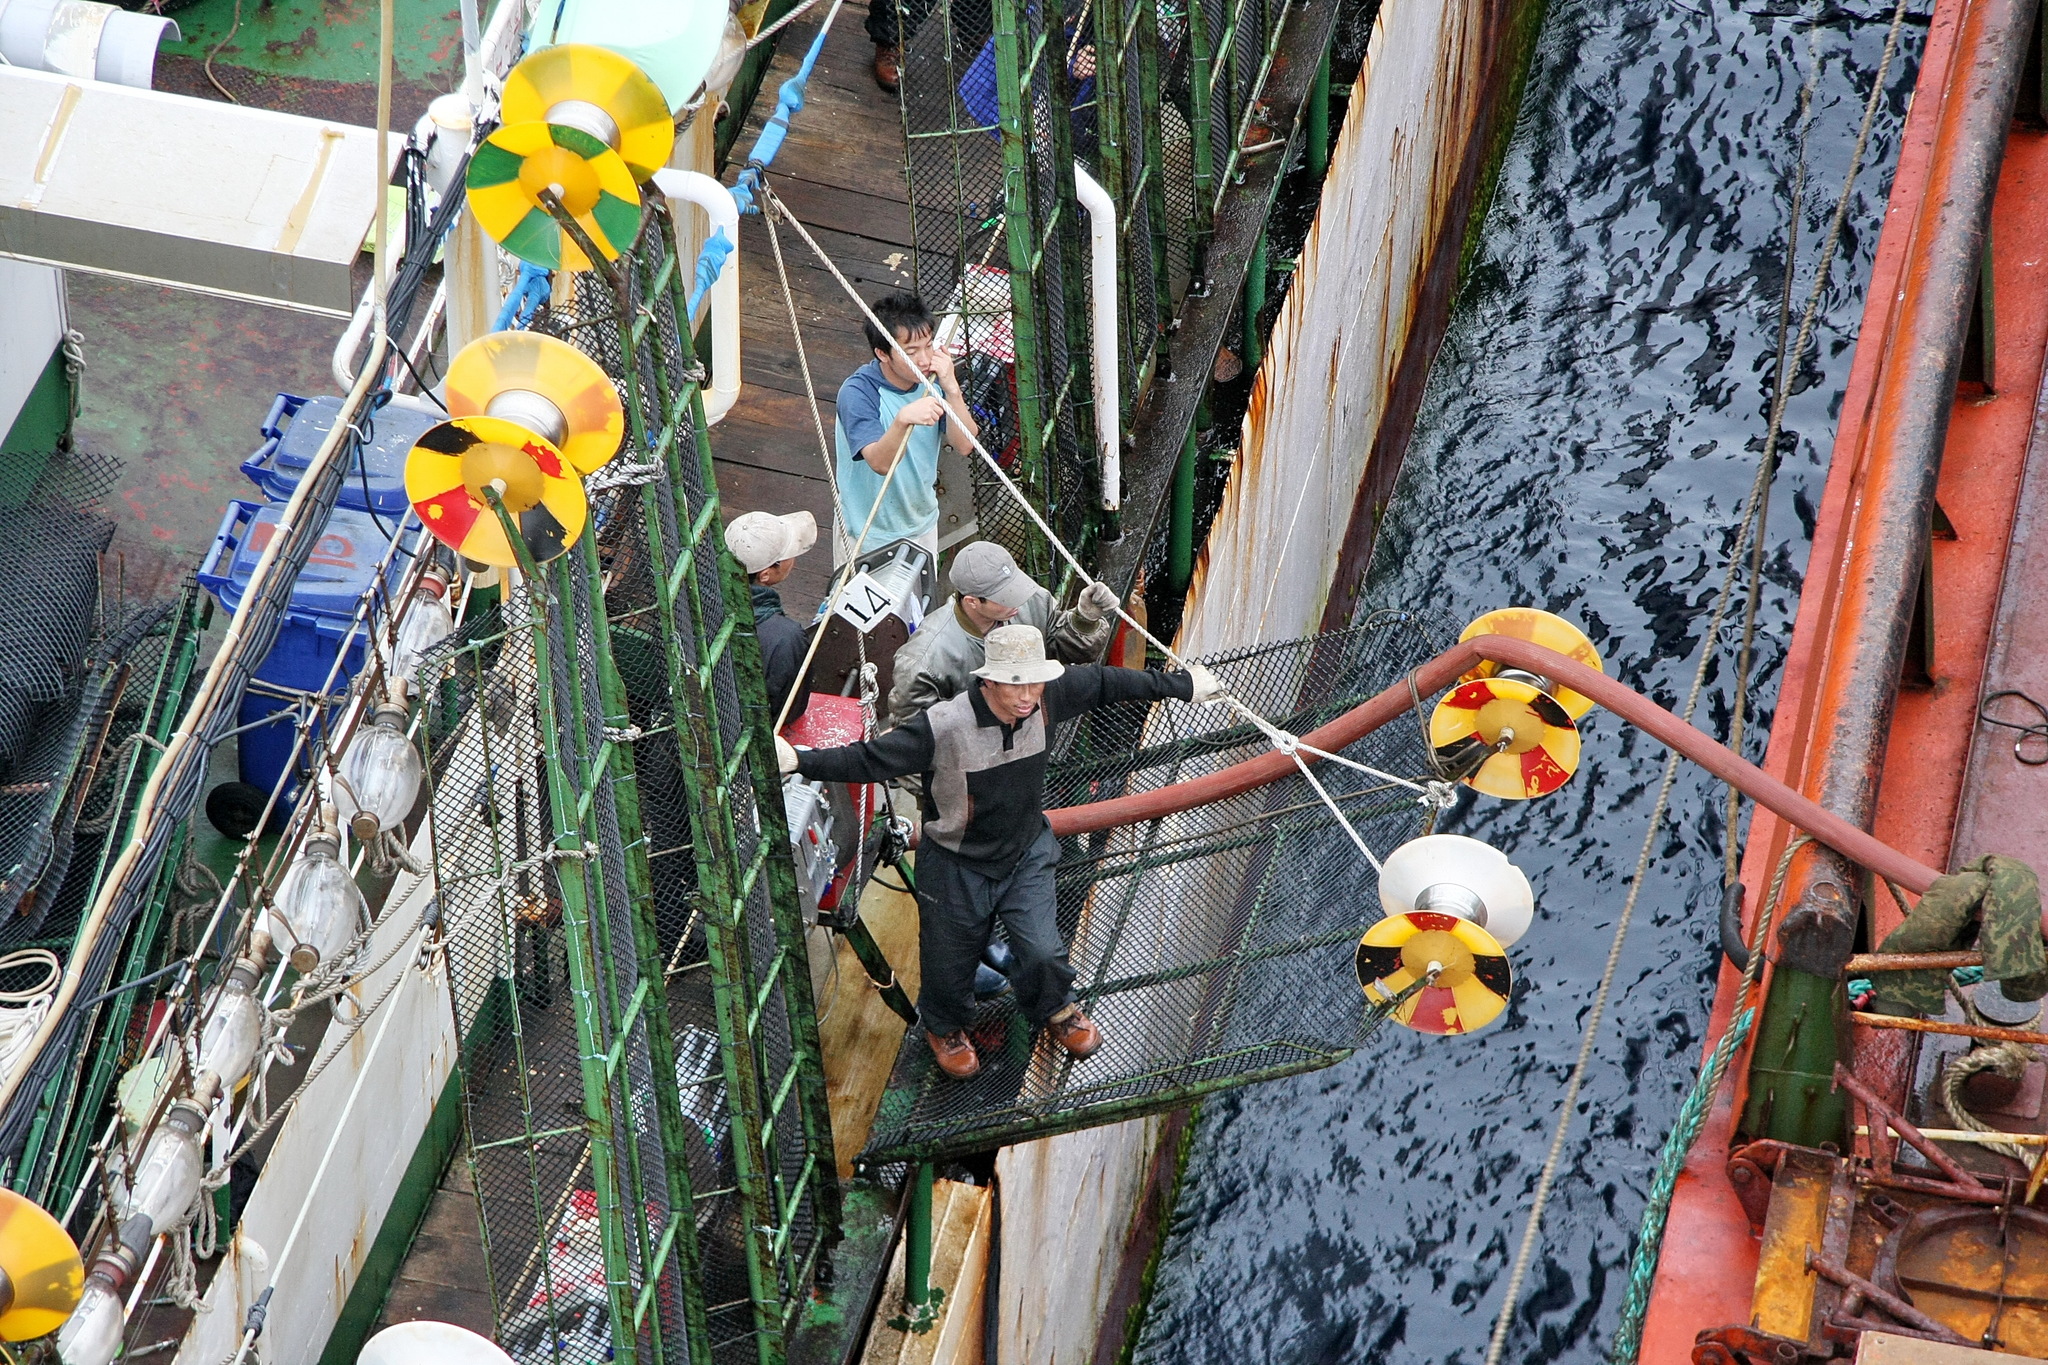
{"x": 83, "y": 39}
{"x": 1102, "y": 301}
{"x": 723, "y": 299}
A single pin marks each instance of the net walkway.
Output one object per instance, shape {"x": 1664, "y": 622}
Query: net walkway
{"x": 1214, "y": 946}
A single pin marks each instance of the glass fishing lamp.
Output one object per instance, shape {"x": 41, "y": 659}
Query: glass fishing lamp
{"x": 92, "y": 1334}
{"x": 228, "y": 1044}
{"x": 166, "y": 1180}
{"x": 318, "y": 906}
{"x": 426, "y": 623}
{"x": 380, "y": 773}
{"x": 1450, "y": 874}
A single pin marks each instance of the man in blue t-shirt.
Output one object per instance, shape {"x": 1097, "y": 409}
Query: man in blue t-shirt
{"x": 886, "y": 414}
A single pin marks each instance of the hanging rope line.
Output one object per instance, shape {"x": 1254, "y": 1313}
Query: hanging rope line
{"x": 1766, "y": 467}
{"x": 774, "y": 205}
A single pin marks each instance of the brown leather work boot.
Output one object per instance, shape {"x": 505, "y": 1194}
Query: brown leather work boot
{"x": 888, "y": 67}
{"x": 955, "y": 1054}
{"x": 1074, "y": 1031}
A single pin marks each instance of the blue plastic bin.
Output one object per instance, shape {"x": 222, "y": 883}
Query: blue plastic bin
{"x": 322, "y": 608}
{"x": 292, "y": 435}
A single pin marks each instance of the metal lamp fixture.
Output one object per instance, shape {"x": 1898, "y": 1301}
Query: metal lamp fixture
{"x": 1450, "y": 874}
{"x": 318, "y": 907}
{"x": 380, "y": 774}
{"x": 426, "y": 623}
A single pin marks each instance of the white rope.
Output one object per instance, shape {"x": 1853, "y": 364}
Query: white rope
{"x": 1355, "y": 837}
{"x": 22, "y": 1011}
{"x": 773, "y": 205}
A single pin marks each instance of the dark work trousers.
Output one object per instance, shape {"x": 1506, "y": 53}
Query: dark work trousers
{"x": 883, "y": 20}
{"x": 957, "y": 909}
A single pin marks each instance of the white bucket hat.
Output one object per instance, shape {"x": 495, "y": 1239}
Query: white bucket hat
{"x": 759, "y": 539}
{"x": 1016, "y": 654}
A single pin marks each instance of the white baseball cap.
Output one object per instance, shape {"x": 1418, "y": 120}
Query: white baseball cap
{"x": 759, "y": 539}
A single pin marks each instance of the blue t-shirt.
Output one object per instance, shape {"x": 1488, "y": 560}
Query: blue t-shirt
{"x": 868, "y": 403}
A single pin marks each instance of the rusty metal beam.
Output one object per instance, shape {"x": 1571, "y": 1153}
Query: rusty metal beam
{"x": 1166, "y": 414}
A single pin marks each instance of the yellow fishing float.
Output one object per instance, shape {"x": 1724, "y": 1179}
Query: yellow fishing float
{"x": 597, "y": 92}
{"x": 41, "y": 1276}
{"x": 1543, "y": 628}
{"x": 546, "y": 386}
{"x": 453, "y": 463}
{"x": 520, "y": 160}
{"x": 1472, "y": 976}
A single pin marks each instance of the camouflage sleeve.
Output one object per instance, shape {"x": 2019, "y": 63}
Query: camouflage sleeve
{"x": 1076, "y": 640}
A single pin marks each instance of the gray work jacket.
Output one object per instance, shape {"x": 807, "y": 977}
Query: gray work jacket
{"x": 942, "y": 656}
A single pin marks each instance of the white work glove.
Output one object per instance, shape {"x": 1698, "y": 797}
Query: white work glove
{"x": 1098, "y": 600}
{"x": 785, "y": 756}
{"x": 1207, "y": 688}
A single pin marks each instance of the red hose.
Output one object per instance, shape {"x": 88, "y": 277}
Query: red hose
{"x": 1446, "y": 668}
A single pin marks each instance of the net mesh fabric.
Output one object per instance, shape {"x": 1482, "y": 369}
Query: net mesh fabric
{"x": 1213, "y": 947}
{"x": 524, "y": 1090}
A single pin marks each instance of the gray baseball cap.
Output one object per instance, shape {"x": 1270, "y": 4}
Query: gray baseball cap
{"x": 985, "y": 569}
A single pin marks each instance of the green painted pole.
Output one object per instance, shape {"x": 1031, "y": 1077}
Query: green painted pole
{"x": 917, "y": 1241}
{"x": 1255, "y": 304}
{"x": 1319, "y": 120}
{"x": 1181, "y": 538}
{"x": 583, "y": 985}
{"x": 876, "y": 964}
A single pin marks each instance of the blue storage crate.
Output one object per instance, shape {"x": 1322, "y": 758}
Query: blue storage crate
{"x": 321, "y": 611}
{"x": 294, "y": 430}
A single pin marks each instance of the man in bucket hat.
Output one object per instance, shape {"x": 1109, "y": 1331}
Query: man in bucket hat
{"x": 989, "y": 590}
{"x": 987, "y": 849}
{"x": 766, "y": 546}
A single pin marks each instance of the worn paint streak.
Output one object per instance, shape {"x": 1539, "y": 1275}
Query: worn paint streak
{"x": 1337, "y": 345}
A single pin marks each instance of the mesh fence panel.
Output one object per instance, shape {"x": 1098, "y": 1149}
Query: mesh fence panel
{"x": 1214, "y": 947}
{"x": 708, "y": 966}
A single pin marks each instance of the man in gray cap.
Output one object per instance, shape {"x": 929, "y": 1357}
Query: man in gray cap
{"x": 987, "y": 849}
{"x": 766, "y": 546}
{"x": 989, "y": 590}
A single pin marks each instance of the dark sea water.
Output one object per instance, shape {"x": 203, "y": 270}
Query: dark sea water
{"x": 1589, "y": 433}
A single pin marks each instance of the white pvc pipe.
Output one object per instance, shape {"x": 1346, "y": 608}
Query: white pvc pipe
{"x": 694, "y": 187}
{"x": 84, "y": 39}
{"x": 1102, "y": 300}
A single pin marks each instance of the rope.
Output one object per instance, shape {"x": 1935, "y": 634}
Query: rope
{"x": 22, "y": 1011}
{"x": 1685, "y": 1130}
{"x": 803, "y": 364}
{"x": 773, "y": 206}
{"x": 1765, "y": 467}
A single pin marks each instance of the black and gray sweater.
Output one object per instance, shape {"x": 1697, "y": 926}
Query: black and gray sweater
{"x": 984, "y": 781}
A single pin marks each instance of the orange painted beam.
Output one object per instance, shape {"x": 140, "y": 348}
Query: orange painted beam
{"x": 1708, "y": 1268}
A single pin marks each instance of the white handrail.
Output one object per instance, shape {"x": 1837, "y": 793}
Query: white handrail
{"x": 694, "y": 187}
{"x": 1102, "y": 301}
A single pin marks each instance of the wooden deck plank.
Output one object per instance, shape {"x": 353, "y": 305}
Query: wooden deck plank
{"x": 860, "y": 1035}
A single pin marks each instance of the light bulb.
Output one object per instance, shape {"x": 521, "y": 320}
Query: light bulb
{"x": 318, "y": 906}
{"x": 167, "y": 1178}
{"x": 426, "y": 623}
{"x": 380, "y": 775}
{"x": 228, "y": 1044}
{"x": 92, "y": 1333}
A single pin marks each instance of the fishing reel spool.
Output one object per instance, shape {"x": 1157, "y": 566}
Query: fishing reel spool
{"x": 587, "y": 125}
{"x": 41, "y": 1275}
{"x": 453, "y": 463}
{"x": 1515, "y": 729}
{"x": 1451, "y": 874}
{"x": 1439, "y": 973}
{"x": 424, "y": 1342}
{"x": 546, "y": 386}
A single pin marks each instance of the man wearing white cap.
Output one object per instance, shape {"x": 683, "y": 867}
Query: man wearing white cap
{"x": 987, "y": 849}
{"x": 989, "y": 590}
{"x": 766, "y": 546}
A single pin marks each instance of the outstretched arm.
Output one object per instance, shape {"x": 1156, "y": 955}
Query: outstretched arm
{"x": 902, "y": 751}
